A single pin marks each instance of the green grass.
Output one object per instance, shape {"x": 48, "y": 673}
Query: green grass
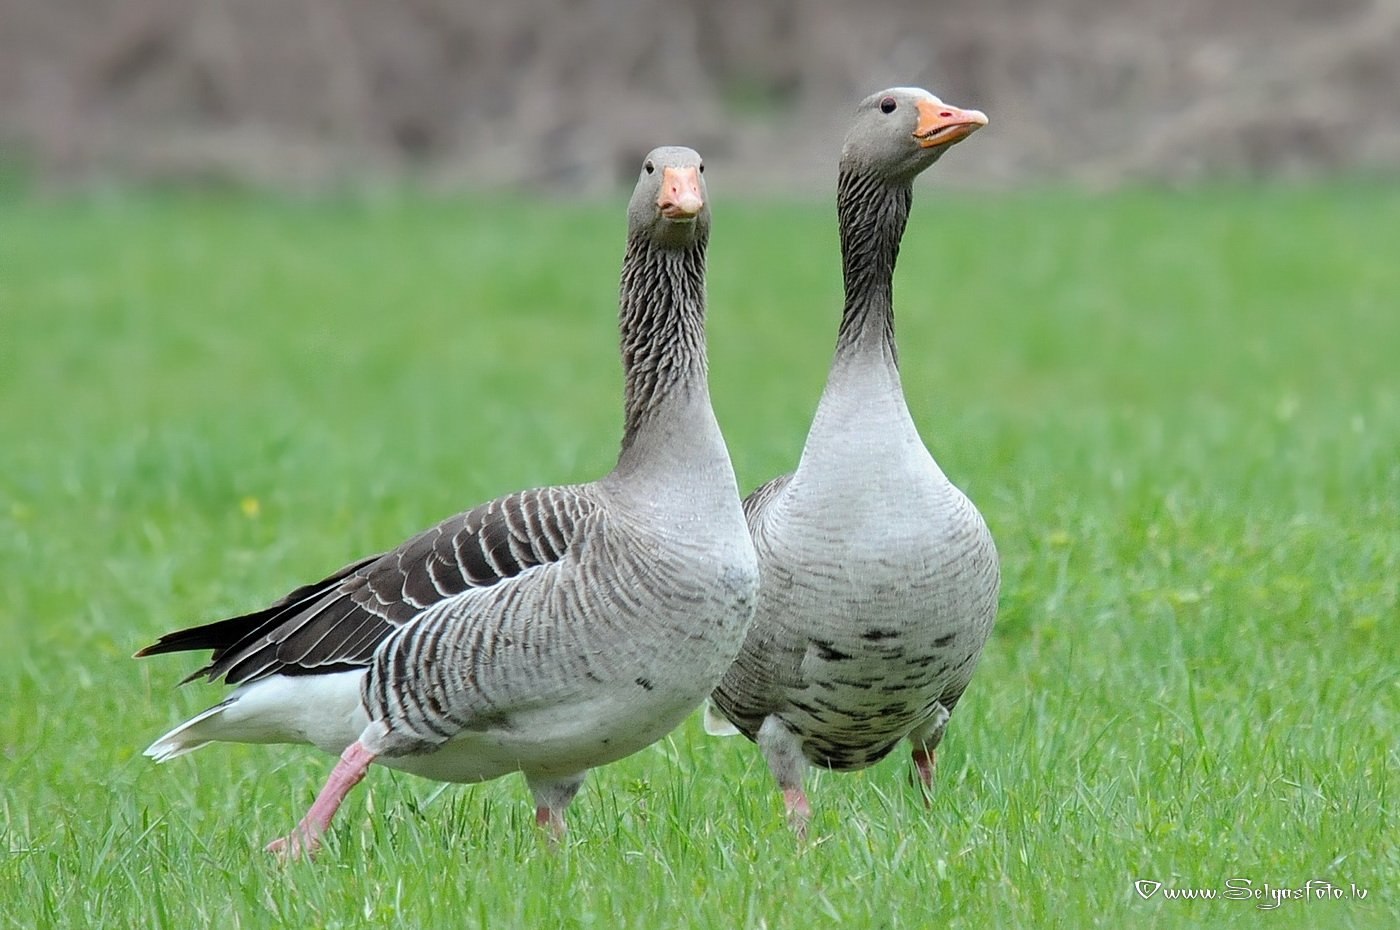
{"x": 1180, "y": 414}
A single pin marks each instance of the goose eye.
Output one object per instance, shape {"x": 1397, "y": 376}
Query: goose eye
{"x": 651, "y": 169}
{"x": 702, "y": 167}
{"x": 887, "y": 105}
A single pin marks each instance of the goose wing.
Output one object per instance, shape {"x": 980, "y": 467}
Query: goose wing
{"x": 336, "y": 624}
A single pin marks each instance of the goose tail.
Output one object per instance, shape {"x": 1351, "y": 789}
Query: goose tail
{"x": 715, "y": 722}
{"x": 187, "y": 737}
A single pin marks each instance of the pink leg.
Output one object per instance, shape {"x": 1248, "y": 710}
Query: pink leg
{"x": 553, "y": 821}
{"x": 799, "y": 812}
{"x": 305, "y": 840}
{"x": 924, "y": 762}
{"x": 782, "y": 748}
{"x": 552, "y": 798}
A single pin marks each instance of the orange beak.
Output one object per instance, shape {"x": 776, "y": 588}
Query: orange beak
{"x": 680, "y": 193}
{"x": 940, "y": 124}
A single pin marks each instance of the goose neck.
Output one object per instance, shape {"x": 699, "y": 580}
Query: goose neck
{"x": 872, "y": 212}
{"x": 662, "y": 323}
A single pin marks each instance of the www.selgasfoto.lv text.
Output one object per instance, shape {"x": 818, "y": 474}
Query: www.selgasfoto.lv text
{"x": 1264, "y": 895}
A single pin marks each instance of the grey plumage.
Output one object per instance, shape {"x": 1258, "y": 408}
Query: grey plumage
{"x": 879, "y": 577}
{"x": 548, "y": 631}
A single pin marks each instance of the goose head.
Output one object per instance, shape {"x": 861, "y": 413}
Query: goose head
{"x": 669, "y": 204}
{"x": 901, "y": 131}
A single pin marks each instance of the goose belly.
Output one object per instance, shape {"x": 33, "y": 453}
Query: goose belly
{"x": 856, "y": 705}
{"x": 883, "y": 632}
{"x": 558, "y": 740}
{"x": 613, "y": 720}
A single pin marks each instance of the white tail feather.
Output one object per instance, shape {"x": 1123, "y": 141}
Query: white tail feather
{"x": 323, "y": 710}
{"x": 716, "y": 724}
{"x": 185, "y": 738}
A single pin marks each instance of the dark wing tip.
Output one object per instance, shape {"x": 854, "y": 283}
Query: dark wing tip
{"x": 165, "y": 645}
{"x": 224, "y": 635}
{"x": 187, "y": 640}
{"x": 159, "y": 647}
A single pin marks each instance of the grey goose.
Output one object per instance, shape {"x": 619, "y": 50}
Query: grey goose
{"x": 548, "y": 631}
{"x": 879, "y": 577}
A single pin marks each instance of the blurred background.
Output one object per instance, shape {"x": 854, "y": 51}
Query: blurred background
{"x": 306, "y": 94}
{"x": 283, "y": 281}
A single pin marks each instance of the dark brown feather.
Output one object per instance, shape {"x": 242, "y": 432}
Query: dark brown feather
{"x": 337, "y": 623}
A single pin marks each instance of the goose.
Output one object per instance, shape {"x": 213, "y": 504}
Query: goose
{"x": 547, "y": 632}
{"x": 879, "y": 577}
